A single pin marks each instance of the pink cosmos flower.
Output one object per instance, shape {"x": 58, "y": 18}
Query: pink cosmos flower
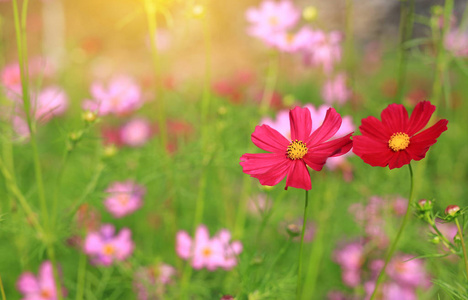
{"x": 291, "y": 42}
{"x": 11, "y": 80}
{"x": 121, "y": 96}
{"x": 390, "y": 291}
{"x": 282, "y": 125}
{"x": 324, "y": 50}
{"x": 456, "y": 42}
{"x": 204, "y": 252}
{"x": 40, "y": 287}
{"x": 51, "y": 101}
{"x": 136, "y": 132}
{"x": 149, "y": 282}
{"x": 335, "y": 90}
{"x": 350, "y": 258}
{"x": 271, "y": 17}
{"x": 407, "y": 271}
{"x": 124, "y": 198}
{"x": 290, "y": 158}
{"x": 104, "y": 247}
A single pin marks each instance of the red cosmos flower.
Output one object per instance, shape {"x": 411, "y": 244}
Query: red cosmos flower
{"x": 395, "y": 140}
{"x": 289, "y": 158}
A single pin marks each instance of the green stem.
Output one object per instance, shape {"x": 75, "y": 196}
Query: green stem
{"x": 275, "y": 261}
{"x": 400, "y": 231}
{"x": 460, "y": 233}
{"x": 299, "y": 269}
{"x": 151, "y": 18}
{"x": 81, "y": 277}
{"x": 1, "y": 289}
{"x": 406, "y": 31}
{"x": 270, "y": 83}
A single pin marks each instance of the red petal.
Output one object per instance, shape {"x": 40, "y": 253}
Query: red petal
{"x": 420, "y": 143}
{"x": 420, "y": 116}
{"x": 399, "y": 159}
{"x": 298, "y": 176}
{"x": 372, "y": 152}
{"x": 430, "y": 134}
{"x": 395, "y": 118}
{"x": 327, "y": 130}
{"x": 372, "y": 127}
{"x": 268, "y": 168}
{"x": 301, "y": 123}
{"x": 316, "y": 160}
{"x": 268, "y": 139}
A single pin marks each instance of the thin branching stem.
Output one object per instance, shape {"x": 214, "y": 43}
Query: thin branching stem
{"x": 460, "y": 233}
{"x": 299, "y": 268}
{"x": 392, "y": 249}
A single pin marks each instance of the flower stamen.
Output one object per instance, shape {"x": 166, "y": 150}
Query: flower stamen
{"x": 296, "y": 150}
{"x": 399, "y": 141}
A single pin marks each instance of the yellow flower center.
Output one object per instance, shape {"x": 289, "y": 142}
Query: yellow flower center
{"x": 290, "y": 38}
{"x": 45, "y": 293}
{"x": 206, "y": 252}
{"x": 123, "y": 198}
{"x": 273, "y": 20}
{"x": 399, "y": 141}
{"x": 108, "y": 250}
{"x": 296, "y": 150}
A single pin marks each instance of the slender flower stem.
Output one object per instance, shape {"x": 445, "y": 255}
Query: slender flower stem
{"x": 270, "y": 83}
{"x": 1, "y": 289}
{"x": 299, "y": 269}
{"x": 406, "y": 31}
{"x": 81, "y": 277}
{"x": 460, "y": 233}
{"x": 151, "y": 9}
{"x": 400, "y": 231}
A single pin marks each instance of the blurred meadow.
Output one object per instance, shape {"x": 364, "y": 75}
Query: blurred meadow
{"x": 123, "y": 125}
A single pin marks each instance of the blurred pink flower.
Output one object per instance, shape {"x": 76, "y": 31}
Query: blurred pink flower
{"x": 407, "y": 271}
{"x": 51, "y": 101}
{"x": 149, "y": 281}
{"x": 350, "y": 258}
{"x": 136, "y": 132}
{"x": 120, "y": 97}
{"x": 204, "y": 252}
{"x": 324, "y": 50}
{"x": 449, "y": 230}
{"x": 390, "y": 291}
{"x": 11, "y": 80}
{"x": 291, "y": 42}
{"x": 40, "y": 287}
{"x": 124, "y": 198}
{"x": 336, "y": 91}
{"x": 163, "y": 40}
{"x": 271, "y": 17}
{"x": 104, "y": 247}
{"x": 457, "y": 43}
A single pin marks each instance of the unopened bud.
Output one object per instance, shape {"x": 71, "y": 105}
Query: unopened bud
{"x": 452, "y": 210}
{"x": 435, "y": 239}
{"x": 227, "y": 297}
{"x": 89, "y": 116}
{"x": 222, "y": 110}
{"x": 110, "y": 150}
{"x": 75, "y": 136}
{"x": 310, "y": 13}
{"x": 425, "y": 205}
{"x": 293, "y": 230}
{"x": 457, "y": 239}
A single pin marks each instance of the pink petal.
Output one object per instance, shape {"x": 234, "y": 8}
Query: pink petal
{"x": 298, "y": 176}
{"x": 183, "y": 244}
{"x": 93, "y": 243}
{"x": 301, "y": 123}
{"x": 27, "y": 283}
{"x": 399, "y": 159}
{"x": 268, "y": 168}
{"x": 327, "y": 130}
{"x": 372, "y": 127}
{"x": 269, "y": 139}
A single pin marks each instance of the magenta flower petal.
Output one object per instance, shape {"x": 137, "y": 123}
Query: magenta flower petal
{"x": 327, "y": 130}
{"x": 268, "y": 139}
{"x": 420, "y": 117}
{"x": 298, "y": 176}
{"x": 395, "y": 117}
{"x": 301, "y": 124}
{"x": 372, "y": 127}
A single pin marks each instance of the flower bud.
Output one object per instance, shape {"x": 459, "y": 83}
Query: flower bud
{"x": 293, "y": 230}
{"x": 435, "y": 239}
{"x": 457, "y": 239}
{"x": 424, "y": 205}
{"x": 310, "y": 13}
{"x": 437, "y": 10}
{"x": 110, "y": 151}
{"x": 75, "y": 136}
{"x": 89, "y": 116}
{"x": 452, "y": 210}
{"x": 227, "y": 297}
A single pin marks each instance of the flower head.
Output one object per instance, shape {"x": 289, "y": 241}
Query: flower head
{"x": 149, "y": 282}
{"x": 121, "y": 96}
{"x": 136, "y": 132}
{"x": 104, "y": 247}
{"x": 40, "y": 287}
{"x": 335, "y": 90}
{"x": 272, "y": 17}
{"x": 206, "y": 252}
{"x": 289, "y": 157}
{"x": 124, "y": 198}
{"x": 397, "y": 139}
